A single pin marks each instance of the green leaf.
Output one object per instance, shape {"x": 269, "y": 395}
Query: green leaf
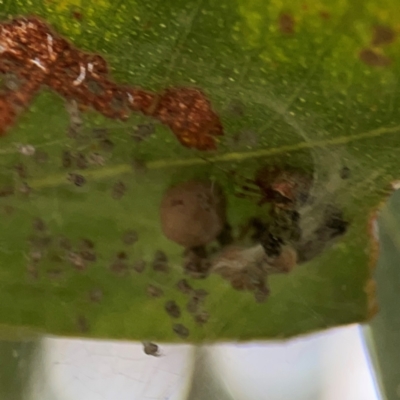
{"x": 309, "y": 86}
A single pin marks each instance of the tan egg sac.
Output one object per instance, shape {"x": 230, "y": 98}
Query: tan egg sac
{"x": 193, "y": 213}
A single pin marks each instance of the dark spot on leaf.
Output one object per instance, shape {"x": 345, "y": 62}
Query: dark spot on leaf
{"x": 118, "y": 190}
{"x": 172, "y": 309}
{"x": 154, "y": 291}
{"x": 345, "y": 173}
{"x": 39, "y": 225}
{"x": 200, "y": 294}
{"x": 88, "y": 255}
{"x": 119, "y": 267}
{"x": 66, "y": 159}
{"x": 130, "y": 237}
{"x": 87, "y": 244}
{"x": 202, "y": 317}
{"x": 193, "y": 305}
{"x": 373, "y": 58}
{"x": 196, "y": 263}
{"x": 382, "y": 35}
{"x": 122, "y": 255}
{"x": 184, "y": 286}
{"x": 139, "y": 266}
{"x": 181, "y": 330}
{"x": 77, "y": 179}
{"x": 81, "y": 161}
{"x": 160, "y": 262}
{"x": 286, "y": 23}
{"x": 96, "y": 295}
{"x": 21, "y": 170}
{"x": 6, "y": 191}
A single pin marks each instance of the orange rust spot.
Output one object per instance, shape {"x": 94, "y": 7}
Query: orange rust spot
{"x": 373, "y": 58}
{"x": 40, "y": 57}
{"x": 286, "y": 23}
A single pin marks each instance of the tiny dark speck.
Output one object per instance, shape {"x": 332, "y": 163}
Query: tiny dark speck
{"x": 345, "y": 173}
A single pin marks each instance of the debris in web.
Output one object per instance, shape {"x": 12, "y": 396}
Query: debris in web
{"x": 296, "y": 228}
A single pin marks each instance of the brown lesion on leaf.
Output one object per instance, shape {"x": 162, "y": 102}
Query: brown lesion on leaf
{"x": 286, "y": 23}
{"x": 382, "y": 35}
{"x": 39, "y": 57}
{"x": 374, "y": 58}
{"x": 373, "y": 55}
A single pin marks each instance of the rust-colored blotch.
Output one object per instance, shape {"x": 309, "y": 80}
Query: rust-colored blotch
{"x": 39, "y": 57}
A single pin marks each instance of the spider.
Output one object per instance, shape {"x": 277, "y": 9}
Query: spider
{"x": 285, "y": 188}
